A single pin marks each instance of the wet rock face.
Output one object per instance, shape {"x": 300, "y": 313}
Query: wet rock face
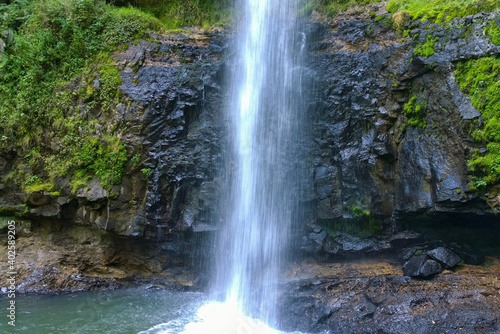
{"x": 364, "y": 153}
{"x": 375, "y": 298}
{"x": 177, "y": 80}
{"x": 146, "y": 228}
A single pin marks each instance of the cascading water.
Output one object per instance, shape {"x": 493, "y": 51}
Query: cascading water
{"x": 265, "y": 89}
{"x": 258, "y": 202}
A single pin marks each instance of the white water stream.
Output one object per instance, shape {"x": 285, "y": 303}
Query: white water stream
{"x": 258, "y": 203}
{"x": 265, "y": 87}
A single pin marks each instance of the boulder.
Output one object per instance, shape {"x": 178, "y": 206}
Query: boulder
{"x": 421, "y": 266}
{"x": 445, "y": 256}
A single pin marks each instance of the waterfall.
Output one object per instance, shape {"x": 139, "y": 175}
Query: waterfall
{"x": 259, "y": 201}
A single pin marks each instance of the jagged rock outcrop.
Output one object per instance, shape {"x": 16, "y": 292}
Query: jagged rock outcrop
{"x": 360, "y": 163}
{"x": 373, "y": 297}
{"x": 144, "y": 228}
{"x": 366, "y": 157}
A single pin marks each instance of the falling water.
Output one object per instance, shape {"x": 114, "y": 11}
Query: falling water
{"x": 263, "y": 114}
{"x": 258, "y": 203}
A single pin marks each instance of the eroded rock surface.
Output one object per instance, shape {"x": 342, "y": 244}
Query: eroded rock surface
{"x": 374, "y": 297}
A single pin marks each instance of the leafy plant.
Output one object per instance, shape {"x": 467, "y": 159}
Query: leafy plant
{"x": 54, "y": 72}
{"x": 428, "y": 48}
{"x": 146, "y": 171}
{"x": 415, "y": 113}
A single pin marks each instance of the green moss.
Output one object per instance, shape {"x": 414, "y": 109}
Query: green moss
{"x": 428, "y": 48}
{"x": 146, "y": 171}
{"x": 480, "y": 80}
{"x": 44, "y": 120}
{"x": 378, "y": 18}
{"x": 493, "y": 31}
{"x": 39, "y": 186}
{"x": 415, "y": 112}
{"x": 440, "y": 10}
{"x": 333, "y": 7}
{"x": 102, "y": 157}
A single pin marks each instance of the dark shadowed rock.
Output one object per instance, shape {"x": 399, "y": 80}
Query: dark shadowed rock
{"x": 445, "y": 256}
{"x": 405, "y": 239}
{"x": 421, "y": 266}
{"x": 374, "y": 298}
{"x": 39, "y": 198}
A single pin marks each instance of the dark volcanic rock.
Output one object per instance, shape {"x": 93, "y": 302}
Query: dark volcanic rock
{"x": 362, "y": 298}
{"x": 444, "y": 256}
{"x": 363, "y": 152}
{"x": 171, "y": 115}
{"x": 421, "y": 266}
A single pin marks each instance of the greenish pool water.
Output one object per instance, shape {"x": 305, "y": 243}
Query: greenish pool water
{"x": 133, "y": 310}
{"x": 119, "y": 311}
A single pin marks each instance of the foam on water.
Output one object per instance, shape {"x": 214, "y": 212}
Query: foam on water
{"x": 259, "y": 199}
{"x": 216, "y": 318}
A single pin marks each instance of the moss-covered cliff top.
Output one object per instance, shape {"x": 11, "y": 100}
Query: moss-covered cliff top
{"x": 47, "y": 48}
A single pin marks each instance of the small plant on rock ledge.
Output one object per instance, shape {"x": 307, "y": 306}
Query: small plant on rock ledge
{"x": 415, "y": 113}
{"x": 146, "y": 172}
{"x": 428, "y": 48}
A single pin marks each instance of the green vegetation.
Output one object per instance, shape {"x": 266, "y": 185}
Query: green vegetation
{"x": 55, "y": 73}
{"x": 399, "y": 20}
{"x": 415, "y": 113}
{"x": 333, "y": 7}
{"x": 428, "y": 48}
{"x": 363, "y": 223}
{"x": 480, "y": 80}
{"x": 59, "y": 87}
{"x": 493, "y": 31}
{"x": 439, "y": 11}
{"x": 146, "y": 171}
{"x": 178, "y": 13}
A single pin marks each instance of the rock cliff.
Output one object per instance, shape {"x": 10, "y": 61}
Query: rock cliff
{"x": 370, "y": 160}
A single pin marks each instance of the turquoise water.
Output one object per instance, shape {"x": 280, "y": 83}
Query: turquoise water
{"x": 119, "y": 311}
{"x": 133, "y": 310}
